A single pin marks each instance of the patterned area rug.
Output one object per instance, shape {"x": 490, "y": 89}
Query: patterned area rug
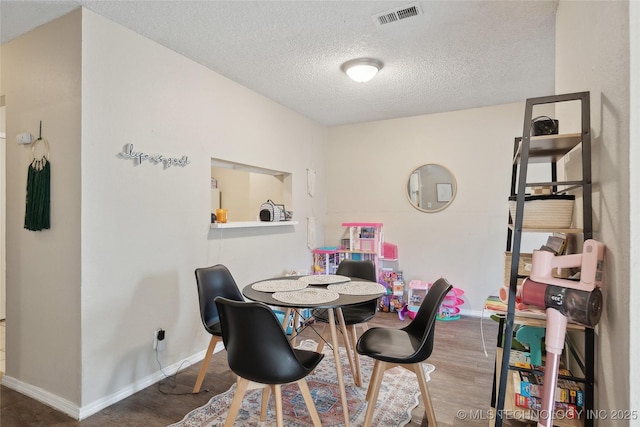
{"x": 398, "y": 396}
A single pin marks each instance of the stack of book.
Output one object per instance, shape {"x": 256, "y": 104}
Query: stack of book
{"x": 529, "y": 391}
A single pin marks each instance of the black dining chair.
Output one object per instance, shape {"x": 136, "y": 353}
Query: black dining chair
{"x": 212, "y": 282}
{"x": 260, "y": 354}
{"x": 407, "y": 347}
{"x": 354, "y": 315}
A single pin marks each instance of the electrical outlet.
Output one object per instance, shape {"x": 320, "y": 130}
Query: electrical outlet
{"x": 158, "y": 335}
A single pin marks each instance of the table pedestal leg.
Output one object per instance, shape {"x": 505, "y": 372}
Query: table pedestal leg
{"x": 336, "y": 355}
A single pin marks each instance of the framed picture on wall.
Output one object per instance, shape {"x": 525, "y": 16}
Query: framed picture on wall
{"x": 444, "y": 192}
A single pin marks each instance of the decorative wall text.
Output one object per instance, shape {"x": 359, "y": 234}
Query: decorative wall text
{"x": 139, "y": 156}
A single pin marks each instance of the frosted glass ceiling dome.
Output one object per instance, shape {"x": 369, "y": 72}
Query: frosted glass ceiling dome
{"x": 362, "y": 69}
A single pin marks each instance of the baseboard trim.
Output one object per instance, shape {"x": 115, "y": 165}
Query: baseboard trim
{"x": 81, "y": 412}
{"x": 41, "y": 395}
{"x": 475, "y": 313}
{"x": 98, "y": 405}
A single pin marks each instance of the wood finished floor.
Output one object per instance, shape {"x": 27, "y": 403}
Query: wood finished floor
{"x": 462, "y": 381}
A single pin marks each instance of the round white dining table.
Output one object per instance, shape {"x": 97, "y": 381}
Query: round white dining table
{"x": 303, "y": 300}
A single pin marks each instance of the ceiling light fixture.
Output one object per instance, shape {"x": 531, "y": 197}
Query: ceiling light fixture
{"x": 362, "y": 69}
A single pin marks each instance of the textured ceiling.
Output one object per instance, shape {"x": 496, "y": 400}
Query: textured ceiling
{"x": 454, "y": 55}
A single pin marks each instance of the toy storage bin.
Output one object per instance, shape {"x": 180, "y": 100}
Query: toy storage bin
{"x": 554, "y": 211}
{"x": 524, "y": 265}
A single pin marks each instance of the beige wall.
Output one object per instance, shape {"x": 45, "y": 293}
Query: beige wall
{"x": 127, "y": 238}
{"x": 234, "y": 189}
{"x": 593, "y": 53}
{"x": 85, "y": 297}
{"x": 367, "y": 181}
{"x": 41, "y": 82}
{"x": 3, "y": 258}
{"x": 139, "y": 258}
{"x": 634, "y": 207}
{"x": 264, "y": 187}
{"x": 371, "y": 162}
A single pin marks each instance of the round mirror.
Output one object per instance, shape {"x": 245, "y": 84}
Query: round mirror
{"x": 431, "y": 188}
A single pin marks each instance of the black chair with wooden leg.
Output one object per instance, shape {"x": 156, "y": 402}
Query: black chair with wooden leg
{"x": 213, "y": 282}
{"x": 355, "y": 315}
{"x": 407, "y": 347}
{"x": 260, "y": 354}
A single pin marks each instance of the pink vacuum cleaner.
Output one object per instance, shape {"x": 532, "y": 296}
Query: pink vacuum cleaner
{"x": 563, "y": 300}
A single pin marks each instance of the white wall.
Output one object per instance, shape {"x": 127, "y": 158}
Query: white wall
{"x": 144, "y": 229}
{"x": 592, "y": 53}
{"x": 634, "y": 208}
{"x": 41, "y": 81}
{"x": 3, "y": 258}
{"x": 367, "y": 179}
{"x": 370, "y": 164}
{"x": 85, "y": 297}
{"x": 139, "y": 258}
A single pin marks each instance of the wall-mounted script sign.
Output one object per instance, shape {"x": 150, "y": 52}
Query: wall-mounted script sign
{"x": 139, "y": 156}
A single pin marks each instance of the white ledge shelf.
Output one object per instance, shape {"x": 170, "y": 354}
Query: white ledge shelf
{"x": 251, "y": 224}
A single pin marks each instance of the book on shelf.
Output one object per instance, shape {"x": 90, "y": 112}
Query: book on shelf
{"x": 563, "y": 371}
{"x": 556, "y": 243}
{"x": 562, "y": 409}
{"x": 529, "y": 384}
{"x": 519, "y": 358}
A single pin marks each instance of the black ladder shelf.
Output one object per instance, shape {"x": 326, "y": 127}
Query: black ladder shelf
{"x": 545, "y": 149}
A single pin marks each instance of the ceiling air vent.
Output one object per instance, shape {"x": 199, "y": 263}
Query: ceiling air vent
{"x": 397, "y": 14}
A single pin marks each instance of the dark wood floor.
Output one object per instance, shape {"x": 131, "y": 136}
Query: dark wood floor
{"x": 460, "y": 387}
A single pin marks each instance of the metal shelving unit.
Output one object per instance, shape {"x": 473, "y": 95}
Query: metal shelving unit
{"x": 545, "y": 149}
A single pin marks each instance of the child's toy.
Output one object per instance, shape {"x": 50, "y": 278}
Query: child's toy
{"x": 504, "y": 296}
{"x": 396, "y": 302}
{"x": 326, "y": 259}
{"x": 387, "y": 278}
{"x": 531, "y": 336}
{"x": 415, "y": 295}
{"x": 383, "y": 303}
{"x": 398, "y": 288}
{"x": 449, "y": 309}
{"x": 407, "y": 310}
{"x": 391, "y": 303}
{"x": 417, "y": 291}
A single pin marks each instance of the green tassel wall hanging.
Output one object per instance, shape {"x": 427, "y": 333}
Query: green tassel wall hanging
{"x": 37, "y": 212}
